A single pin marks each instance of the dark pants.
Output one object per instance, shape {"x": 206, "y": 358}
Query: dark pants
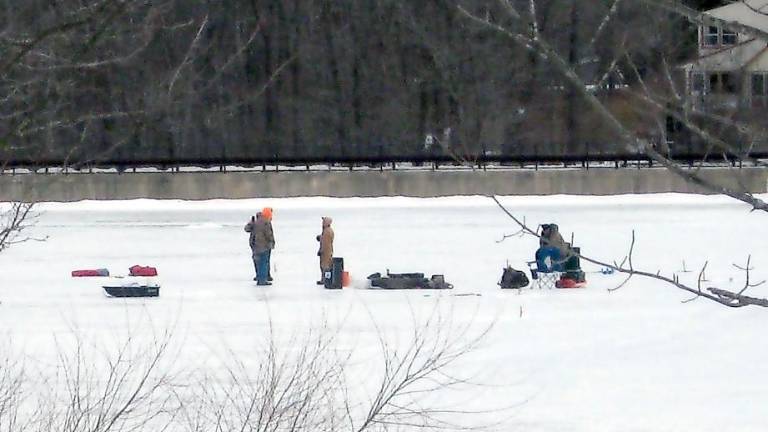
{"x": 269, "y": 264}
{"x": 262, "y": 266}
{"x": 545, "y": 265}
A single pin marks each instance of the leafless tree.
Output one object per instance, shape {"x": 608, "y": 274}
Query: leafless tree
{"x": 423, "y": 366}
{"x": 309, "y": 384}
{"x": 66, "y": 81}
{"x": 293, "y": 386}
{"x": 14, "y": 220}
{"x": 300, "y": 383}
{"x": 519, "y": 27}
{"x": 123, "y": 388}
{"x": 56, "y": 57}
{"x": 12, "y": 378}
{"x": 90, "y": 388}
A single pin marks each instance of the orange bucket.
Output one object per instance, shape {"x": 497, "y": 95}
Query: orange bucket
{"x": 345, "y": 280}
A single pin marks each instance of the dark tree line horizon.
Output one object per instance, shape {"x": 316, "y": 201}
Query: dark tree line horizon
{"x": 173, "y": 79}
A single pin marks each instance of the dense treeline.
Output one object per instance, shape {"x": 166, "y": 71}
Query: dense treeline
{"x": 170, "y": 79}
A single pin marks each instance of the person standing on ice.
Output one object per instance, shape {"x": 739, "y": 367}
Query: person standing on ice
{"x": 249, "y": 229}
{"x": 267, "y": 212}
{"x": 326, "y": 249}
{"x": 260, "y": 239}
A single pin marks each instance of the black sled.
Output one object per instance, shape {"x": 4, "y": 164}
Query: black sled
{"x": 133, "y": 289}
{"x": 396, "y": 281}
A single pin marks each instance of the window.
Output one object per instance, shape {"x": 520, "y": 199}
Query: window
{"x": 723, "y": 82}
{"x": 697, "y": 82}
{"x": 714, "y": 36}
{"x": 729, "y": 37}
{"x": 728, "y": 82}
{"x": 713, "y": 82}
{"x": 758, "y": 84}
{"x": 711, "y": 36}
{"x": 759, "y": 87}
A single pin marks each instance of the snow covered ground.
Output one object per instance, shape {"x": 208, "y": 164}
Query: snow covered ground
{"x": 637, "y": 359}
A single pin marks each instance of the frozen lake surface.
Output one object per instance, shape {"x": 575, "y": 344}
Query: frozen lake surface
{"x": 637, "y": 359}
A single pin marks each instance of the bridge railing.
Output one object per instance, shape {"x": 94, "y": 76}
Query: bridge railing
{"x": 434, "y": 162}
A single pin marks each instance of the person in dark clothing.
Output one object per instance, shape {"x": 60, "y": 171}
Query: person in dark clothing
{"x": 550, "y": 236}
{"x": 249, "y": 229}
{"x": 553, "y": 250}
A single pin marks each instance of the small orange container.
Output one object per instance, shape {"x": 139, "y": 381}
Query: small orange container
{"x": 345, "y": 280}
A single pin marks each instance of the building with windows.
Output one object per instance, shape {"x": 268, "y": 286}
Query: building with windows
{"x": 731, "y": 70}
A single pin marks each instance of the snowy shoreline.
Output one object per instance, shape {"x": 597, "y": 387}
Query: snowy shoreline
{"x": 388, "y": 202}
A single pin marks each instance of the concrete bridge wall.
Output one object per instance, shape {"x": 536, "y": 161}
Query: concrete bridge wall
{"x": 413, "y": 183}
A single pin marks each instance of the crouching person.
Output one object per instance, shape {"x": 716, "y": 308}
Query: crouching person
{"x": 553, "y": 250}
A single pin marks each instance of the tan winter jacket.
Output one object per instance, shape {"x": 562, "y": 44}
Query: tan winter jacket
{"x": 326, "y": 248}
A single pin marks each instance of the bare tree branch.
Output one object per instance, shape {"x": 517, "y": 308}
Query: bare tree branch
{"x": 604, "y": 23}
{"x": 631, "y": 142}
{"x": 187, "y": 57}
{"x": 13, "y": 222}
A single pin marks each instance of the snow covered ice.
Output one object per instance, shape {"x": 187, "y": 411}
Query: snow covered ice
{"x": 637, "y": 359}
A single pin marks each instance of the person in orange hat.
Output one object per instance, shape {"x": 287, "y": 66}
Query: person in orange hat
{"x": 267, "y": 213}
{"x": 260, "y": 239}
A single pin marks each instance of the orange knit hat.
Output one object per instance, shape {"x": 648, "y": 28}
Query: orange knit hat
{"x": 267, "y": 212}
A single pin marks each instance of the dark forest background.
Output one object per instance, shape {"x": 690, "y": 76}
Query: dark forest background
{"x": 190, "y": 79}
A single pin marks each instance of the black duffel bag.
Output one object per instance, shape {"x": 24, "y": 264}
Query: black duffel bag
{"x": 512, "y": 278}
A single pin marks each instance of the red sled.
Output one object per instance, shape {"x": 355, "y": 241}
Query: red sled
{"x": 569, "y": 283}
{"x": 90, "y": 273}
{"x": 138, "y": 270}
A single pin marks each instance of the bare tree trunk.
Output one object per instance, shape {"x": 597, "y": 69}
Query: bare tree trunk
{"x": 296, "y": 71}
{"x": 571, "y": 126}
{"x": 342, "y": 137}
